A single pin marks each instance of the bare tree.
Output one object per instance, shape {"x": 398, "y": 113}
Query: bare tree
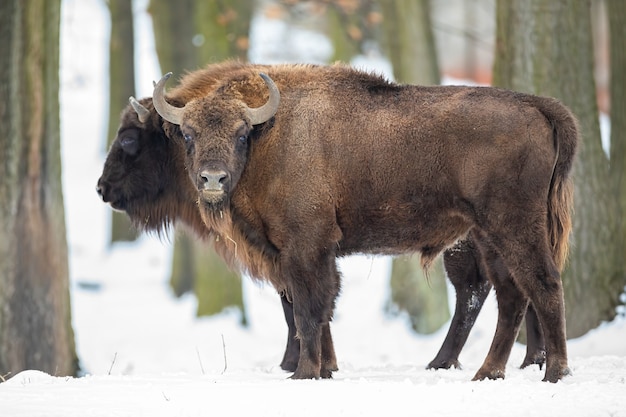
{"x": 121, "y": 86}
{"x": 617, "y": 48}
{"x": 35, "y": 315}
{"x": 409, "y": 41}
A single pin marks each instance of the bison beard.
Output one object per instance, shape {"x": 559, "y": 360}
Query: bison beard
{"x": 351, "y": 163}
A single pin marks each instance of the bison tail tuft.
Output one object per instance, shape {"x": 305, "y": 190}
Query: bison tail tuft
{"x": 560, "y": 205}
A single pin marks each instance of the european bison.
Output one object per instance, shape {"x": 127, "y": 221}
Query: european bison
{"x": 143, "y": 175}
{"x": 305, "y": 164}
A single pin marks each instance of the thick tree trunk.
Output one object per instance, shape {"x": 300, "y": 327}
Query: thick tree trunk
{"x": 173, "y": 33}
{"x": 617, "y": 32}
{"x": 544, "y": 47}
{"x": 190, "y": 34}
{"x": 121, "y": 86}
{"x": 35, "y": 315}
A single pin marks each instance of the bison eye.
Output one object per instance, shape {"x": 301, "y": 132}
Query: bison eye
{"x": 187, "y": 137}
{"x": 243, "y": 139}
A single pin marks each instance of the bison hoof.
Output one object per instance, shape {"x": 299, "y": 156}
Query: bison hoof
{"x": 297, "y": 375}
{"x": 536, "y": 358}
{"x": 555, "y": 375}
{"x": 483, "y": 374}
{"x": 306, "y": 372}
{"x": 326, "y": 374}
{"x": 444, "y": 364}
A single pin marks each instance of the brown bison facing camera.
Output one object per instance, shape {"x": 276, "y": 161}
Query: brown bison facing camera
{"x": 152, "y": 201}
{"x": 144, "y": 176}
{"x": 305, "y": 164}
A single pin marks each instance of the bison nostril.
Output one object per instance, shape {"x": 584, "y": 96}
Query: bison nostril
{"x": 100, "y": 189}
{"x": 213, "y": 180}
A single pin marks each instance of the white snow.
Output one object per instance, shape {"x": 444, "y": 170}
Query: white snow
{"x": 145, "y": 354}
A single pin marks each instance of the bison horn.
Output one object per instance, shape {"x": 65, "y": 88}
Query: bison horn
{"x": 167, "y": 111}
{"x": 142, "y": 113}
{"x": 268, "y": 110}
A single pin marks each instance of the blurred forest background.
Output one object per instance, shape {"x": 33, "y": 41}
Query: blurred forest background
{"x": 574, "y": 50}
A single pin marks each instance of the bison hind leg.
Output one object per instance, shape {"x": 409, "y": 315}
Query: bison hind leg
{"x": 512, "y": 305}
{"x": 535, "y": 342}
{"x": 536, "y": 277}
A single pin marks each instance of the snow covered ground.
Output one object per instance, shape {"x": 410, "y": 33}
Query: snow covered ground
{"x": 145, "y": 354}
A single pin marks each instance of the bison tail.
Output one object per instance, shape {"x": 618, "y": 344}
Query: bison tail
{"x": 561, "y": 194}
{"x": 559, "y": 220}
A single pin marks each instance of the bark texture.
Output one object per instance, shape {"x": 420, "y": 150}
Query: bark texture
{"x": 35, "y": 311}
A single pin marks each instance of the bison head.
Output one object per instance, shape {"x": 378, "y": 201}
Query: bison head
{"x": 139, "y": 175}
{"x": 216, "y": 130}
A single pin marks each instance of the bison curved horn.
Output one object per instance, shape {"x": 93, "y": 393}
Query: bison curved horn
{"x": 269, "y": 109}
{"x": 167, "y": 111}
{"x": 142, "y": 113}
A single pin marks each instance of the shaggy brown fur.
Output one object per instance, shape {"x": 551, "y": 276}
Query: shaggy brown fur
{"x": 351, "y": 163}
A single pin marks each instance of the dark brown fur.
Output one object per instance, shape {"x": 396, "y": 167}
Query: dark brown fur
{"x": 351, "y": 163}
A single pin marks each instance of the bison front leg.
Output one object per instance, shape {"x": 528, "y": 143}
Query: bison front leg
{"x": 292, "y": 351}
{"x": 462, "y": 264}
{"x": 314, "y": 288}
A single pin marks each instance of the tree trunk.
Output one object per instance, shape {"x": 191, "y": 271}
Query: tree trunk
{"x": 617, "y": 49}
{"x": 35, "y": 317}
{"x": 544, "y": 47}
{"x": 222, "y": 29}
{"x": 121, "y": 86}
{"x": 219, "y": 31}
{"x": 351, "y": 26}
{"x": 410, "y": 45}
{"x": 423, "y": 297}
{"x": 173, "y": 34}
{"x": 409, "y": 41}
{"x": 344, "y": 46}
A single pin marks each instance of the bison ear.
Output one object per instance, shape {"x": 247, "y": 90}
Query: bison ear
{"x": 268, "y": 110}
{"x": 143, "y": 114}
